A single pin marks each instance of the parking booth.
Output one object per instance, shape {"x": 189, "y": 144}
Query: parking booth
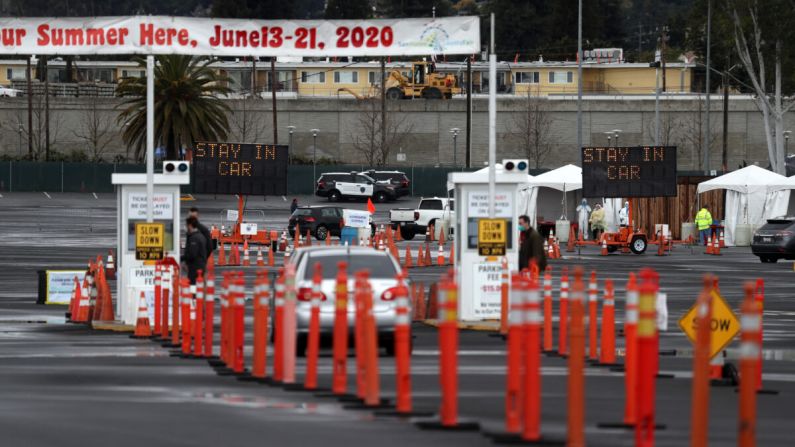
{"x": 134, "y": 276}
{"x": 480, "y": 242}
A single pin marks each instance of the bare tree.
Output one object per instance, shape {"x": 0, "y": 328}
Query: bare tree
{"x": 374, "y": 144}
{"x": 533, "y": 125}
{"x": 247, "y": 125}
{"x": 95, "y": 129}
{"x": 37, "y": 135}
{"x": 668, "y": 127}
{"x": 692, "y": 130}
{"x": 759, "y": 39}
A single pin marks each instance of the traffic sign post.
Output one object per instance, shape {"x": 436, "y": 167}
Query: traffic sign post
{"x": 149, "y": 241}
{"x": 724, "y": 324}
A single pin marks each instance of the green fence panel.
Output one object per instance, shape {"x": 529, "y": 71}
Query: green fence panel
{"x": 6, "y": 173}
{"x": 36, "y": 176}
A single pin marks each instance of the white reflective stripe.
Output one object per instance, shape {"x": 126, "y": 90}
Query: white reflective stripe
{"x": 608, "y": 302}
{"x": 749, "y": 350}
{"x": 564, "y": 294}
{"x": 516, "y": 315}
{"x": 632, "y": 298}
{"x": 592, "y": 295}
{"x": 192, "y": 288}
{"x": 578, "y": 296}
{"x": 533, "y": 316}
{"x": 279, "y": 302}
{"x": 210, "y": 283}
{"x": 632, "y": 316}
{"x": 209, "y": 297}
{"x": 143, "y": 314}
{"x": 402, "y": 319}
{"x": 702, "y": 310}
{"x": 750, "y": 323}
{"x": 158, "y": 281}
{"x": 192, "y": 315}
{"x": 264, "y": 301}
{"x": 314, "y": 303}
{"x": 564, "y": 285}
{"x": 200, "y": 296}
{"x": 533, "y": 297}
{"x": 401, "y": 302}
{"x": 241, "y": 301}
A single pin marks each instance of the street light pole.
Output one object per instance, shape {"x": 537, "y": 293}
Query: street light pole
{"x": 20, "y": 139}
{"x": 290, "y": 129}
{"x": 617, "y": 132}
{"x": 455, "y": 131}
{"x": 314, "y": 155}
{"x": 609, "y": 136}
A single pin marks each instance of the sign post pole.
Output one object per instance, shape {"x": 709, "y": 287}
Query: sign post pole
{"x": 150, "y": 137}
{"x": 492, "y": 121}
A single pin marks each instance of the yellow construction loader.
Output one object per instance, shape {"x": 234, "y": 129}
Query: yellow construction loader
{"x": 424, "y": 82}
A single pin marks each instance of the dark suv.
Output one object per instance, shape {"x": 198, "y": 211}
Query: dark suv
{"x": 397, "y": 179}
{"x": 320, "y": 221}
{"x": 775, "y": 240}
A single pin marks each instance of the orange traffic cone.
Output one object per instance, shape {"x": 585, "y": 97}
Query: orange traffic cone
{"x": 431, "y": 233}
{"x": 106, "y": 309}
{"x": 246, "y": 258}
{"x": 81, "y": 315}
{"x": 398, "y": 236}
{"x": 427, "y": 255}
{"x": 221, "y": 253}
{"x": 271, "y": 261}
{"x": 260, "y": 259}
{"x": 550, "y": 249}
{"x": 442, "y": 239}
{"x": 142, "y": 326}
{"x": 604, "y": 247}
{"x": 110, "y": 266}
{"x": 716, "y": 246}
{"x": 408, "y": 263}
{"x": 440, "y": 255}
{"x": 73, "y": 302}
{"x": 420, "y": 258}
{"x": 556, "y": 250}
{"x": 328, "y": 240}
{"x": 452, "y": 254}
{"x": 722, "y": 240}
{"x": 570, "y": 243}
{"x": 308, "y": 239}
{"x": 297, "y": 237}
{"x": 709, "y": 245}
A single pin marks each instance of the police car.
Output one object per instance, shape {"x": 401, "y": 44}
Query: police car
{"x": 352, "y": 185}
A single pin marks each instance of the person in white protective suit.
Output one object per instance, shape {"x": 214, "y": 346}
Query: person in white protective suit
{"x": 623, "y": 215}
{"x": 583, "y": 212}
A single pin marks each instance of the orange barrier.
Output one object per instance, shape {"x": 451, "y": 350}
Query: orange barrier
{"x": 198, "y": 326}
{"x": 442, "y": 239}
{"x": 504, "y": 301}
{"x": 340, "y": 375}
{"x": 604, "y": 251}
{"x": 359, "y": 332}
{"x": 448, "y": 357}
{"x": 209, "y": 314}
{"x": 440, "y": 255}
{"x": 427, "y": 255}
{"x": 709, "y": 245}
{"x": 593, "y": 304}
{"x": 313, "y": 338}
{"x": 82, "y": 302}
{"x": 548, "y": 309}
{"x": 424, "y": 307}
{"x": 575, "y": 427}
{"x": 513, "y": 380}
{"x": 92, "y": 293}
{"x": 430, "y": 233}
{"x": 402, "y": 346}
{"x": 110, "y": 266}
{"x": 607, "y": 354}
{"x": 260, "y": 258}
{"x": 238, "y": 314}
{"x": 372, "y": 394}
{"x": 142, "y": 327}
{"x": 261, "y": 306}
{"x": 106, "y": 313}
{"x": 246, "y": 258}
{"x": 175, "y": 307}
{"x": 452, "y": 254}
{"x": 225, "y": 298}
{"x": 751, "y": 327}
{"x": 158, "y": 296}
{"x": 699, "y": 417}
{"x": 420, "y": 257}
{"x": 168, "y": 288}
{"x": 532, "y": 364}
{"x": 759, "y": 298}
{"x": 308, "y": 239}
{"x": 646, "y": 361}
{"x": 278, "y": 328}
{"x": 398, "y": 236}
{"x": 722, "y": 240}
{"x": 186, "y": 305}
{"x": 631, "y": 356}
{"x": 297, "y": 237}
{"x": 407, "y": 261}
{"x": 572, "y": 238}
{"x": 563, "y": 313}
{"x": 715, "y": 246}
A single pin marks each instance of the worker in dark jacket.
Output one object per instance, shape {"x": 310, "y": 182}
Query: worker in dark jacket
{"x": 195, "y": 256}
{"x": 194, "y": 212}
{"x": 531, "y": 246}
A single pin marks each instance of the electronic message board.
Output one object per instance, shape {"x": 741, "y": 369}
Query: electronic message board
{"x": 641, "y": 171}
{"x": 240, "y": 168}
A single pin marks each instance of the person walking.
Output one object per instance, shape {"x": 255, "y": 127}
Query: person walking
{"x": 597, "y": 220}
{"x": 211, "y": 243}
{"x": 703, "y": 222}
{"x": 583, "y": 210}
{"x": 293, "y": 206}
{"x": 531, "y": 246}
{"x": 195, "y": 256}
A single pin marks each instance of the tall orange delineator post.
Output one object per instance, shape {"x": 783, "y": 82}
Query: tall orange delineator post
{"x": 290, "y": 324}
{"x": 513, "y": 380}
{"x": 169, "y": 283}
{"x": 593, "y": 305}
{"x": 563, "y": 314}
{"x": 647, "y": 338}
{"x": 532, "y": 361}
{"x": 359, "y": 297}
{"x": 261, "y": 303}
{"x": 504, "y": 301}
{"x": 278, "y": 328}
{"x": 631, "y": 357}
{"x": 209, "y": 315}
{"x": 699, "y": 407}
{"x": 576, "y": 362}
{"x": 750, "y": 326}
{"x": 175, "y": 308}
{"x": 548, "y": 310}
{"x": 158, "y": 296}
{"x": 313, "y": 340}
{"x": 402, "y": 346}
{"x": 198, "y": 328}
{"x": 340, "y": 379}
{"x": 239, "y": 315}
{"x": 372, "y": 395}
{"x": 607, "y": 354}
{"x": 224, "y": 301}
{"x": 186, "y": 303}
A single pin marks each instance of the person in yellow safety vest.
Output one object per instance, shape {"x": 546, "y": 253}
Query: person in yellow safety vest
{"x": 703, "y": 221}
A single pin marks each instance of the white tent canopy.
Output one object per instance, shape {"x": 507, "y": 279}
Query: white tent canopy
{"x": 753, "y": 195}
{"x": 565, "y": 179}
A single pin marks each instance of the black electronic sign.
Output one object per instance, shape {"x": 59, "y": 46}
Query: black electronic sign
{"x": 240, "y": 168}
{"x": 641, "y": 171}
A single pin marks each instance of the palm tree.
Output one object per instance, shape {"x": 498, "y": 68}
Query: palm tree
{"x": 188, "y": 107}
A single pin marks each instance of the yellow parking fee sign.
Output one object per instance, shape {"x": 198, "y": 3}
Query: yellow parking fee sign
{"x": 492, "y": 237}
{"x": 149, "y": 241}
{"x": 723, "y": 324}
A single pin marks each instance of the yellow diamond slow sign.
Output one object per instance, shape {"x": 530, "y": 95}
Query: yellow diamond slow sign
{"x": 724, "y": 325}
{"x": 149, "y": 241}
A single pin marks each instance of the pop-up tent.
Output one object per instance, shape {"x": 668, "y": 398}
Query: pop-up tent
{"x": 753, "y": 195}
{"x": 564, "y": 179}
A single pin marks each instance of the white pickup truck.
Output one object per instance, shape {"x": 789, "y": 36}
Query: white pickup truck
{"x": 436, "y": 211}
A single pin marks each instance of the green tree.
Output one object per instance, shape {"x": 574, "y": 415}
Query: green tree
{"x": 188, "y": 106}
{"x": 348, "y": 9}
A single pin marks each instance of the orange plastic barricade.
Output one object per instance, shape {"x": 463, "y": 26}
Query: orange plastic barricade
{"x": 313, "y": 340}
{"x": 750, "y": 326}
{"x": 340, "y": 374}
{"x": 646, "y": 361}
{"x": 198, "y": 327}
{"x": 563, "y": 314}
{"x": 278, "y": 328}
{"x": 607, "y": 351}
{"x": 576, "y": 363}
{"x": 699, "y": 407}
{"x": 209, "y": 315}
{"x": 593, "y": 307}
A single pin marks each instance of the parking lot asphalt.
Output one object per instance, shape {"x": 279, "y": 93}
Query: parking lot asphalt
{"x": 67, "y": 385}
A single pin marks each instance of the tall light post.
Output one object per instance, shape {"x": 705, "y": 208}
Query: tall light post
{"x": 19, "y": 129}
{"x": 290, "y": 130}
{"x": 609, "y": 136}
{"x": 617, "y": 132}
{"x": 314, "y": 155}
{"x": 455, "y": 131}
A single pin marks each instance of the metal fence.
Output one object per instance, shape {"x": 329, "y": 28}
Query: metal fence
{"x": 28, "y": 176}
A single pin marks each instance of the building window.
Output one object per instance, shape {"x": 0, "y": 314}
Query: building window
{"x": 15, "y": 74}
{"x": 561, "y": 77}
{"x": 527, "y": 77}
{"x": 132, "y": 73}
{"x": 313, "y": 78}
{"x": 346, "y": 77}
{"x": 373, "y": 77}
{"x": 96, "y": 75}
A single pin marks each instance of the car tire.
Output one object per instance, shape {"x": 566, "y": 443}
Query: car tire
{"x": 612, "y": 249}
{"x": 432, "y": 93}
{"x": 380, "y": 197}
{"x": 321, "y": 233}
{"x": 394, "y": 93}
{"x": 772, "y": 259}
{"x": 407, "y": 234}
{"x": 334, "y": 196}
{"x": 638, "y": 245}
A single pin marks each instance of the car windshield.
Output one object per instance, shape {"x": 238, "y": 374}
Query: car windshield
{"x": 379, "y": 265}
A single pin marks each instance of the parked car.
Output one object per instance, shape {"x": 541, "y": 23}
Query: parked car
{"x": 383, "y": 269}
{"x": 430, "y": 211}
{"x": 775, "y": 240}
{"x": 320, "y": 221}
{"x": 9, "y": 92}
{"x": 338, "y": 186}
{"x": 397, "y": 179}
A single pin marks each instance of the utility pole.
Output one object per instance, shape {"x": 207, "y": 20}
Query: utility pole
{"x": 725, "y": 120}
{"x": 709, "y": 47}
{"x": 663, "y": 39}
{"x": 383, "y": 105}
{"x": 28, "y": 75}
{"x": 274, "y": 86}
{"x": 46, "y": 111}
{"x": 469, "y": 113}
{"x": 640, "y": 37}
{"x": 253, "y": 76}
{"x": 579, "y": 78}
